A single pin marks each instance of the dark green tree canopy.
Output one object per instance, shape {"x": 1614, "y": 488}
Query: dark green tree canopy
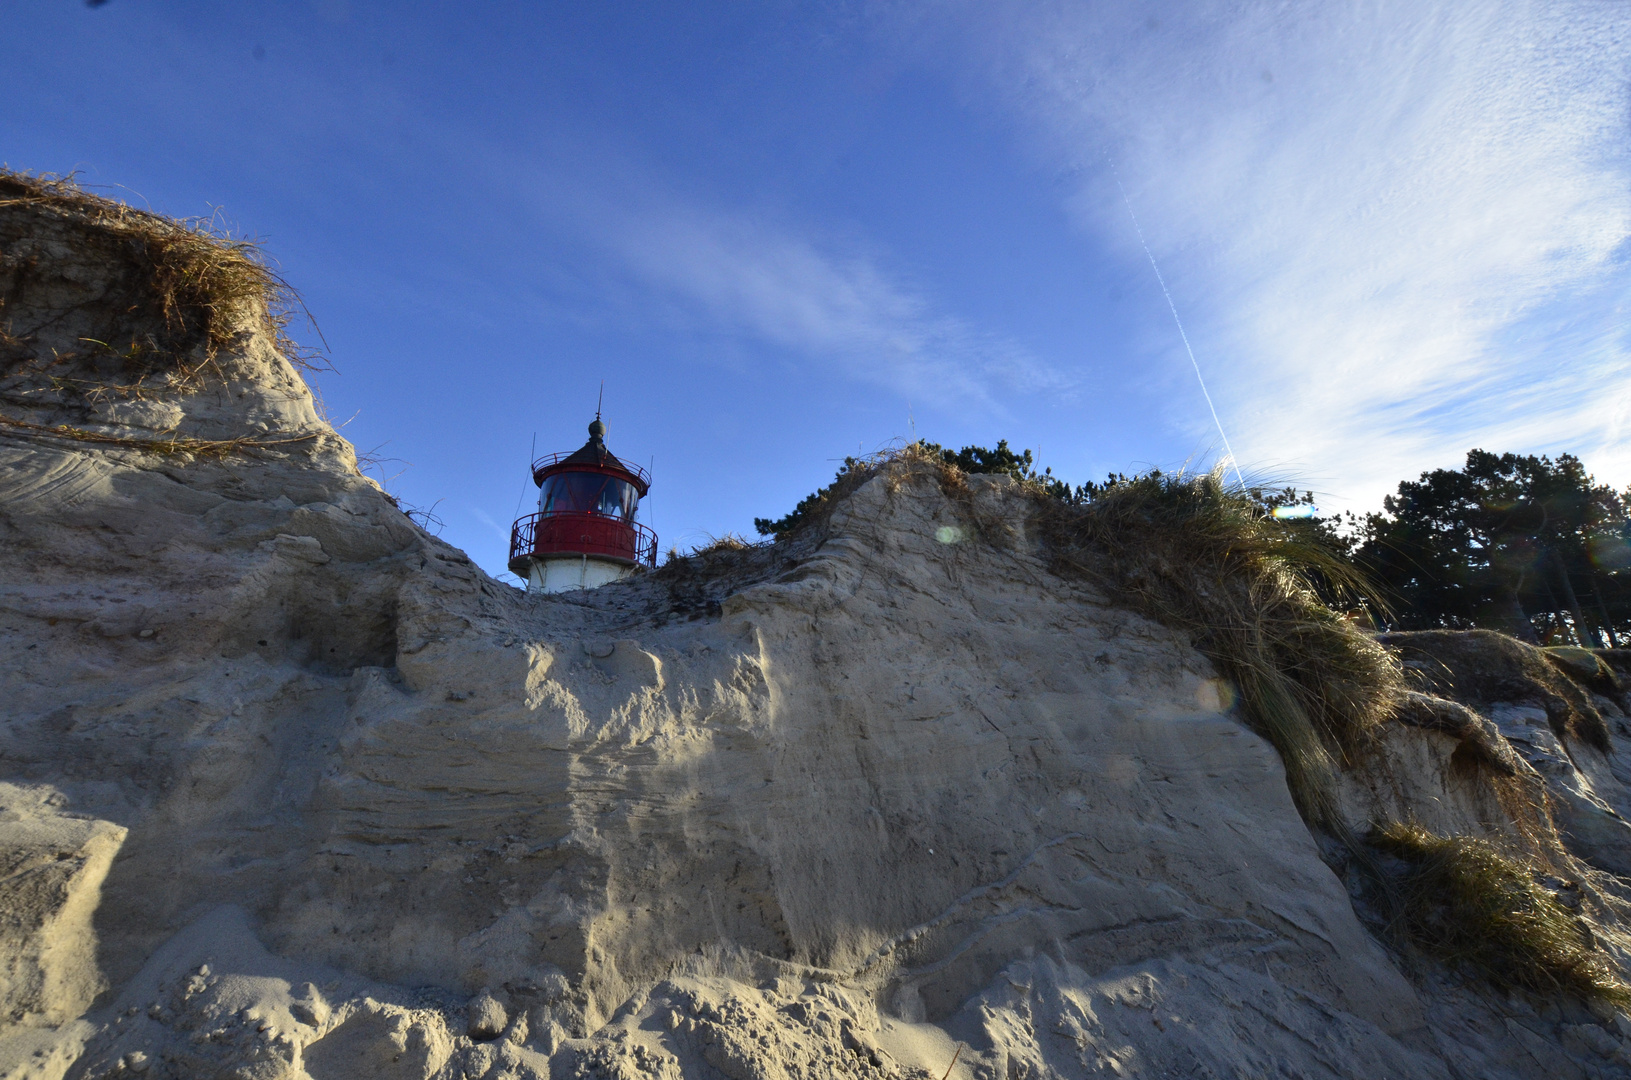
{"x": 1519, "y": 543}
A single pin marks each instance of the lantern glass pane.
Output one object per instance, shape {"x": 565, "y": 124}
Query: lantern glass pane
{"x": 587, "y": 492}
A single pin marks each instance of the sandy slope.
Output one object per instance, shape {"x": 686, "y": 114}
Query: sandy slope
{"x": 293, "y": 789}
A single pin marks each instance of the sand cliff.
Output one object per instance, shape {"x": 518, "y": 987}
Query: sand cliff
{"x": 290, "y": 788}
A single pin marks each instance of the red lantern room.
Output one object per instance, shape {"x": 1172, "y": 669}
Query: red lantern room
{"x": 584, "y": 533}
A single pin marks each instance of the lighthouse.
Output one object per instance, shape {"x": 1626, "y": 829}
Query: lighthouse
{"x": 584, "y": 533}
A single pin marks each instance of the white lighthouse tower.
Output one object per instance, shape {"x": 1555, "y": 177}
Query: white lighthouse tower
{"x": 584, "y": 533}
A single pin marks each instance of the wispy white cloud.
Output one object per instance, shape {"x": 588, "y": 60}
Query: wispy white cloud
{"x": 841, "y": 310}
{"x": 1397, "y": 230}
{"x": 823, "y": 300}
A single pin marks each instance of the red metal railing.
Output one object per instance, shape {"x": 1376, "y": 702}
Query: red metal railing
{"x": 575, "y": 532}
{"x": 554, "y": 459}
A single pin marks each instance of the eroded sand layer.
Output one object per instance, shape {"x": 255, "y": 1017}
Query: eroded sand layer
{"x": 292, "y": 789}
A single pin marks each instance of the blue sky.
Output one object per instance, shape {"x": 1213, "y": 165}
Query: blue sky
{"x": 783, "y": 232}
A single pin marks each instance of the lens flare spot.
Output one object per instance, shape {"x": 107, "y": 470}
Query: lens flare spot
{"x": 950, "y": 534}
{"x": 1291, "y": 513}
{"x": 1610, "y": 552}
{"x": 1216, "y": 695}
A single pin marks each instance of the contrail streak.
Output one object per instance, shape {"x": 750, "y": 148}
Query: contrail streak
{"x": 1180, "y": 324}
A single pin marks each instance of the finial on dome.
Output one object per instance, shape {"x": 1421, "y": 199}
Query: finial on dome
{"x": 597, "y": 430}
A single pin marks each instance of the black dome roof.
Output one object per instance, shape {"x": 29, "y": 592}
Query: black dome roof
{"x": 594, "y": 454}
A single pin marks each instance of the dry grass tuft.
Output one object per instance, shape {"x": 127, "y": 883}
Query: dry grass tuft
{"x": 1196, "y": 555}
{"x": 729, "y": 542}
{"x": 1470, "y": 905}
{"x": 698, "y": 581}
{"x": 204, "y": 285}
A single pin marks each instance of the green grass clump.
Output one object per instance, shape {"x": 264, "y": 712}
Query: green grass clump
{"x": 1467, "y": 903}
{"x": 1203, "y": 557}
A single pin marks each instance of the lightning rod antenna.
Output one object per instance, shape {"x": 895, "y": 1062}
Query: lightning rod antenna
{"x": 599, "y": 400}
{"x": 531, "y": 457}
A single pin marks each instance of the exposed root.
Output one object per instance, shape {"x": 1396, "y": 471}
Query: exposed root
{"x": 206, "y": 448}
{"x": 1481, "y": 740}
{"x": 1486, "y": 667}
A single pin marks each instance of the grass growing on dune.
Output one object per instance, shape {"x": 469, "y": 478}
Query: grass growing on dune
{"x": 1203, "y": 557}
{"x": 1196, "y": 554}
{"x": 1260, "y": 597}
{"x": 1471, "y": 905}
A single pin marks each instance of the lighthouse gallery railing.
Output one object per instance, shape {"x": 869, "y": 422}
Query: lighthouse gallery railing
{"x": 549, "y": 460}
{"x": 579, "y": 532}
